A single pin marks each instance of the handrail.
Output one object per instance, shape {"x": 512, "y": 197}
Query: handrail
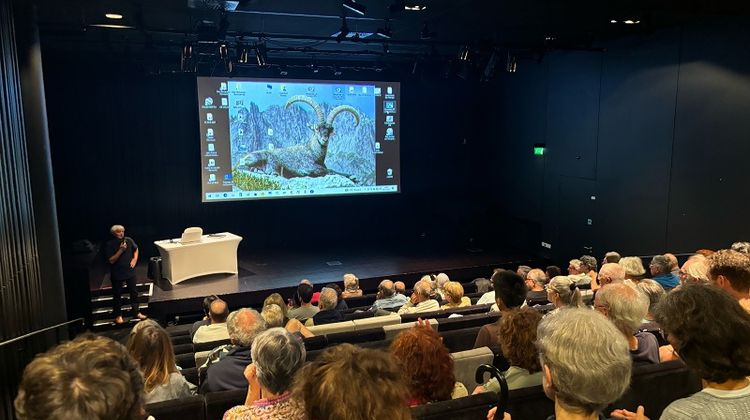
{"x": 22, "y": 337}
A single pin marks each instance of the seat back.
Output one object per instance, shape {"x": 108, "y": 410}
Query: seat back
{"x": 187, "y": 408}
{"x": 530, "y": 403}
{"x": 201, "y": 357}
{"x": 210, "y": 345}
{"x": 185, "y": 361}
{"x": 332, "y": 327}
{"x": 468, "y": 321}
{"x": 465, "y": 364}
{"x": 391, "y": 331}
{"x": 358, "y": 315}
{"x": 358, "y": 336}
{"x": 217, "y": 403}
{"x": 181, "y": 339}
{"x": 183, "y": 348}
{"x": 460, "y": 340}
{"x": 191, "y": 375}
{"x": 472, "y": 407}
{"x": 378, "y": 321}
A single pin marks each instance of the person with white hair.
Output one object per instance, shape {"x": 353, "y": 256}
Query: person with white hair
{"x": 121, "y": 253}
{"x": 626, "y": 307}
{"x": 227, "y": 373}
{"x": 441, "y": 279}
{"x": 536, "y": 279}
{"x": 633, "y": 266}
{"x": 563, "y": 293}
{"x": 695, "y": 270}
{"x": 578, "y": 272}
{"x": 420, "y": 300}
{"x": 610, "y": 273}
{"x": 327, "y": 305}
{"x": 277, "y": 356}
{"x": 743, "y": 247}
{"x": 654, "y": 292}
{"x": 585, "y": 381}
{"x": 351, "y": 286}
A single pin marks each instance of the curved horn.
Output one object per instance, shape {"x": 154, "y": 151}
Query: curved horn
{"x": 309, "y": 101}
{"x": 338, "y": 110}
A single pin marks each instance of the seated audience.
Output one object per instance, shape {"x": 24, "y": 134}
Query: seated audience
{"x": 420, "y": 300}
{"x": 743, "y": 247}
{"x": 552, "y": 271}
{"x": 325, "y": 386}
{"x": 387, "y": 298}
{"x": 217, "y": 329}
{"x": 695, "y": 270}
{"x": 577, "y": 272}
{"x": 654, "y": 292}
{"x": 633, "y": 266}
{"x": 535, "y": 282}
{"x": 483, "y": 285}
{"x": 582, "y": 382}
{"x": 152, "y": 348}
{"x": 206, "y": 319}
{"x": 611, "y": 273}
{"x": 563, "y": 293}
{"x": 341, "y": 305}
{"x": 517, "y": 333}
{"x": 328, "y": 312}
{"x": 277, "y": 299}
{"x": 674, "y": 265}
{"x": 351, "y": 286}
{"x": 400, "y": 287}
{"x": 714, "y": 342}
{"x": 511, "y": 293}
{"x": 611, "y": 257}
{"x": 277, "y": 356}
{"x": 705, "y": 252}
{"x": 306, "y": 309}
{"x": 589, "y": 266}
{"x": 523, "y": 270}
{"x": 441, "y": 279}
{"x": 90, "y": 377}
{"x": 661, "y": 269}
{"x": 427, "y": 364}
{"x": 227, "y": 372}
{"x": 730, "y": 270}
{"x": 273, "y": 315}
{"x": 626, "y": 307}
{"x": 489, "y": 296}
{"x": 453, "y": 294}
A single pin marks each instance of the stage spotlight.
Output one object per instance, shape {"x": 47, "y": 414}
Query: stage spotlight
{"x": 223, "y": 51}
{"x": 354, "y": 7}
{"x": 385, "y": 32}
{"x": 425, "y": 33}
{"x": 114, "y": 16}
{"x": 511, "y": 64}
{"x": 261, "y": 55}
{"x": 464, "y": 53}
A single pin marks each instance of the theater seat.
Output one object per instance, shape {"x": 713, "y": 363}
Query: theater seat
{"x": 188, "y": 408}
{"x": 181, "y": 339}
{"x": 209, "y": 345}
{"x": 473, "y": 407}
{"x": 378, "y": 321}
{"x": 460, "y": 340}
{"x": 391, "y": 331}
{"x": 530, "y": 403}
{"x": 185, "y": 361}
{"x": 332, "y": 328}
{"x": 358, "y": 315}
{"x": 358, "y": 336}
{"x": 183, "y": 348}
{"x": 191, "y": 375}
{"x": 468, "y": 321}
{"x": 217, "y": 403}
{"x": 465, "y": 364}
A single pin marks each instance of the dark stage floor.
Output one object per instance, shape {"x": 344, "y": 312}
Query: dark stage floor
{"x": 260, "y": 273}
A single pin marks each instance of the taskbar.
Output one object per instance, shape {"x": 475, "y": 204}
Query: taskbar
{"x": 217, "y": 196}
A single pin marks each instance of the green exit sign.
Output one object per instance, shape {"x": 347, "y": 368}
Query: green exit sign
{"x": 539, "y": 149}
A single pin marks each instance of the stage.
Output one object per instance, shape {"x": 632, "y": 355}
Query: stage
{"x": 258, "y": 274}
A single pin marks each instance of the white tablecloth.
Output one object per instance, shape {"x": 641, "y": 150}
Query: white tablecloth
{"x": 216, "y": 253}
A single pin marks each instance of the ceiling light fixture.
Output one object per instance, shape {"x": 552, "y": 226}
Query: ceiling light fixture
{"x": 354, "y": 7}
{"x": 115, "y": 16}
{"x": 415, "y": 8}
{"x": 110, "y": 26}
{"x": 631, "y": 22}
{"x": 613, "y": 21}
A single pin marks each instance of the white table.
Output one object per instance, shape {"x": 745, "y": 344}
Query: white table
{"x": 216, "y": 253}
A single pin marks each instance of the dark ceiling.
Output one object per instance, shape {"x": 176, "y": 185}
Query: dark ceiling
{"x": 303, "y": 29}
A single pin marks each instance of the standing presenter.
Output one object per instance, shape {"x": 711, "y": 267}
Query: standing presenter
{"x": 122, "y": 255}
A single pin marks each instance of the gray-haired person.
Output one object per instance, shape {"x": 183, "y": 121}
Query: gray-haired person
{"x": 277, "y": 356}
{"x": 121, "y": 253}
{"x": 327, "y": 304}
{"x": 227, "y": 373}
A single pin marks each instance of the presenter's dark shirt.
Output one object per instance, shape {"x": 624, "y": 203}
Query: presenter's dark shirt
{"x": 120, "y": 270}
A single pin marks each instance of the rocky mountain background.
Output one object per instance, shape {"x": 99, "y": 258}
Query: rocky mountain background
{"x": 351, "y": 149}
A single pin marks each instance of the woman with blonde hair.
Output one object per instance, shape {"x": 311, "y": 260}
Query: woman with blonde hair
{"x": 151, "y": 347}
{"x": 351, "y": 286}
{"x": 454, "y": 295}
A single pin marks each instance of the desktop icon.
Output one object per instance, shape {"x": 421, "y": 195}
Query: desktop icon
{"x": 377, "y": 91}
{"x": 210, "y": 133}
{"x": 389, "y": 132}
{"x": 223, "y": 86}
{"x": 211, "y": 162}
{"x": 389, "y": 172}
{"x": 377, "y": 145}
{"x": 351, "y": 89}
{"x": 208, "y": 101}
{"x": 269, "y": 87}
{"x": 389, "y": 90}
{"x": 364, "y": 89}
{"x": 211, "y": 177}
{"x": 211, "y": 147}
{"x": 282, "y": 88}
{"x": 339, "y": 90}
{"x": 389, "y": 106}
{"x": 389, "y": 119}
{"x": 237, "y": 86}
{"x": 224, "y": 101}
{"x": 209, "y": 117}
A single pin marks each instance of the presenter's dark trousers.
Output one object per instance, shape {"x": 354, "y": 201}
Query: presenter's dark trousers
{"x": 117, "y": 291}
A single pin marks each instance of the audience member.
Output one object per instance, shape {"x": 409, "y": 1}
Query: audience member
{"x": 273, "y": 315}
{"x": 552, "y": 271}
{"x": 705, "y": 252}
{"x": 695, "y": 270}
{"x": 563, "y": 293}
{"x": 611, "y": 257}
{"x": 323, "y": 386}
{"x": 341, "y": 305}
{"x": 420, "y": 300}
{"x": 730, "y": 270}
{"x": 441, "y": 279}
{"x": 400, "y": 287}
{"x": 489, "y": 296}
{"x": 483, "y": 285}
{"x": 661, "y": 269}
{"x": 523, "y": 271}
{"x": 610, "y": 273}
{"x": 511, "y": 293}
{"x": 626, "y": 307}
{"x": 91, "y": 378}
{"x": 535, "y": 282}
{"x": 654, "y": 292}
{"x": 582, "y": 382}
{"x": 277, "y": 299}
{"x": 674, "y": 265}
{"x": 578, "y": 272}
{"x": 206, "y": 319}
{"x": 517, "y": 333}
{"x": 277, "y": 356}
{"x": 428, "y": 365}
{"x": 227, "y": 373}
{"x": 351, "y": 286}
{"x": 589, "y": 266}
{"x": 306, "y": 309}
{"x": 714, "y": 342}
{"x": 633, "y": 266}
{"x": 151, "y": 347}
{"x": 327, "y": 306}
{"x": 387, "y": 298}
{"x": 454, "y": 295}
{"x": 743, "y": 247}
{"x": 217, "y": 329}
